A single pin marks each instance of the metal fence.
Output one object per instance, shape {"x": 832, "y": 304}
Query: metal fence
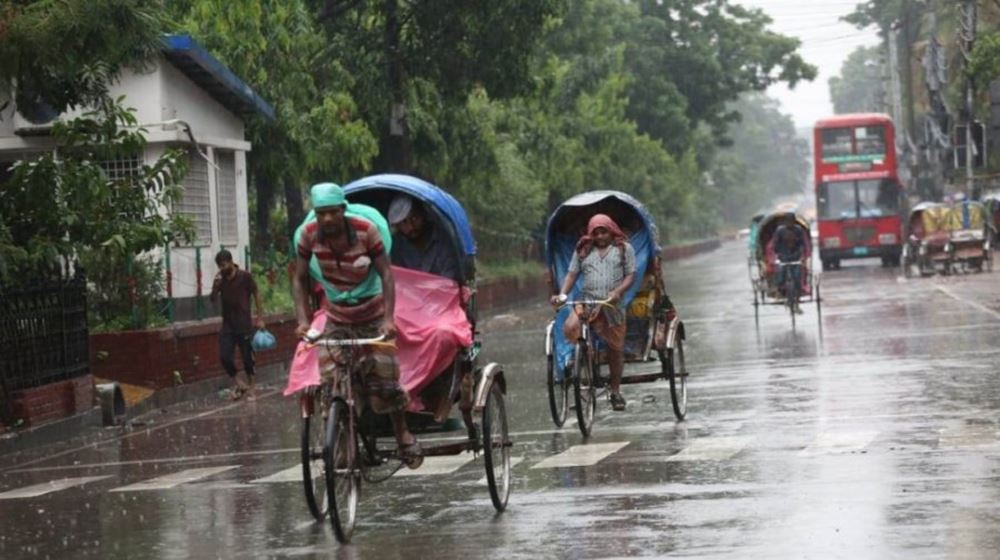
{"x": 43, "y": 334}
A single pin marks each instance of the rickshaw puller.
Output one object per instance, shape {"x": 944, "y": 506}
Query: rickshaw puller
{"x": 789, "y": 248}
{"x": 607, "y": 261}
{"x": 347, "y": 248}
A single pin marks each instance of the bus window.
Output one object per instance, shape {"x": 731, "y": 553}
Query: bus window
{"x": 836, "y": 201}
{"x": 870, "y": 140}
{"x": 836, "y": 142}
{"x": 877, "y": 198}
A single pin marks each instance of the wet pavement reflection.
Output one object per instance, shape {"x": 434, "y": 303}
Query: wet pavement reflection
{"x": 869, "y": 431}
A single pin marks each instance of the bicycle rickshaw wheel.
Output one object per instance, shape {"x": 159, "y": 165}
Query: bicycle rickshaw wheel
{"x": 343, "y": 477}
{"x": 313, "y": 477}
{"x": 558, "y": 393}
{"x": 496, "y": 447}
{"x": 584, "y": 391}
{"x": 677, "y": 376}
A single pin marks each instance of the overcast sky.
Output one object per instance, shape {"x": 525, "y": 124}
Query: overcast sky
{"x": 826, "y": 42}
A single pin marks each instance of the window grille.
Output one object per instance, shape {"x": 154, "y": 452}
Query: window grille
{"x": 225, "y": 184}
{"x": 195, "y": 202}
{"x": 123, "y": 169}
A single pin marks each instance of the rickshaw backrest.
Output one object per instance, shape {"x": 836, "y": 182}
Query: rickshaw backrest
{"x": 379, "y": 190}
{"x": 967, "y": 215}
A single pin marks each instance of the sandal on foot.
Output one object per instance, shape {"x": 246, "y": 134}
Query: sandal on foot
{"x": 617, "y": 402}
{"x": 411, "y": 454}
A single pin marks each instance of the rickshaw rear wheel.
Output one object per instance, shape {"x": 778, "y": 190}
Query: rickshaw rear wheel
{"x": 584, "y": 391}
{"x": 673, "y": 363}
{"x": 313, "y": 477}
{"x": 558, "y": 393}
{"x": 343, "y": 477}
{"x": 496, "y": 447}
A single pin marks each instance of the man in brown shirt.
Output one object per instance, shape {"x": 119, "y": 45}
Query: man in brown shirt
{"x": 235, "y": 287}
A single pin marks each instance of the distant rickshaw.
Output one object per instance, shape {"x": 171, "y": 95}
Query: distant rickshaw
{"x": 992, "y": 203}
{"x": 927, "y": 245}
{"x": 752, "y": 246}
{"x": 772, "y": 288}
{"x": 970, "y": 234}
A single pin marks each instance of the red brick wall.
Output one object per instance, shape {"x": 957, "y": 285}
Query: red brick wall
{"x": 149, "y": 358}
{"x": 39, "y": 405}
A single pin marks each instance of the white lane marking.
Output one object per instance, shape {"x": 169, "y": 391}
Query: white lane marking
{"x": 954, "y": 296}
{"x": 438, "y": 465}
{"x": 47, "y": 487}
{"x": 291, "y": 474}
{"x": 712, "y": 449}
{"x": 184, "y": 459}
{"x": 581, "y": 455}
{"x": 174, "y": 479}
{"x": 513, "y": 463}
{"x": 960, "y": 435}
{"x": 839, "y": 442}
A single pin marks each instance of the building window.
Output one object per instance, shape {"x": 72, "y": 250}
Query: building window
{"x": 195, "y": 202}
{"x": 123, "y": 169}
{"x": 225, "y": 184}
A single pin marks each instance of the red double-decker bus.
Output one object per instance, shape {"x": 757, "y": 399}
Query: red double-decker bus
{"x": 859, "y": 199}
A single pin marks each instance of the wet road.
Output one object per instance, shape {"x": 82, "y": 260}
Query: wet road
{"x": 875, "y": 436}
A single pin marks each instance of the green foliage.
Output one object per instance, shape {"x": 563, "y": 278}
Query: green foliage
{"x": 58, "y": 55}
{"x": 62, "y": 204}
{"x": 856, "y": 89}
{"x": 125, "y": 292}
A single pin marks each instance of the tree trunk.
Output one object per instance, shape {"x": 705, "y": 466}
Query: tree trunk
{"x": 294, "y": 208}
{"x": 395, "y": 150}
{"x": 265, "y": 198}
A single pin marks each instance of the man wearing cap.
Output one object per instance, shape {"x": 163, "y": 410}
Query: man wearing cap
{"x": 417, "y": 244}
{"x": 347, "y": 248}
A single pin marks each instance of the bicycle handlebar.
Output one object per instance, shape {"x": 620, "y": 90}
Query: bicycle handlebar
{"x": 567, "y": 302}
{"x": 312, "y": 338}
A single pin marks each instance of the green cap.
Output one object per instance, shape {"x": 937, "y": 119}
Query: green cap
{"x": 326, "y": 194}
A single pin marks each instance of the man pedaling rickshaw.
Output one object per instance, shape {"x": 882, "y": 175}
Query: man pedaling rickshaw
{"x": 606, "y": 260}
{"x": 347, "y": 249}
{"x": 789, "y": 248}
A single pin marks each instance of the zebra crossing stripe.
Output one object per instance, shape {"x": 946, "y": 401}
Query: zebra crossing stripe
{"x": 961, "y": 434}
{"x": 291, "y": 474}
{"x": 839, "y": 442}
{"x": 48, "y": 487}
{"x": 438, "y": 465}
{"x": 711, "y": 449}
{"x": 581, "y": 455}
{"x": 513, "y": 463}
{"x": 175, "y": 479}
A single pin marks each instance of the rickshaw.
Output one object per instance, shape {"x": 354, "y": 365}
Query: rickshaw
{"x": 438, "y": 348}
{"x": 992, "y": 203}
{"x": 752, "y": 267}
{"x": 654, "y": 332}
{"x": 969, "y": 235}
{"x": 767, "y": 290}
{"x": 927, "y": 243}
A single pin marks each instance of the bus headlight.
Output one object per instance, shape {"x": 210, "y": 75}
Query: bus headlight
{"x": 831, "y": 242}
{"x": 887, "y": 238}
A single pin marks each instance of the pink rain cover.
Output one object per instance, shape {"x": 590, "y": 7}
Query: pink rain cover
{"x": 432, "y": 329}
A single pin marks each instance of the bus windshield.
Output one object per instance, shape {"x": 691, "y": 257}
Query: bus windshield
{"x": 857, "y": 199}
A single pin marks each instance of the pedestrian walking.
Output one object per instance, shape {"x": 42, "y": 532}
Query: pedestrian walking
{"x": 235, "y": 287}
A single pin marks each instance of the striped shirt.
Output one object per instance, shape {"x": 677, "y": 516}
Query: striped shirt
{"x": 601, "y": 274}
{"x": 347, "y": 269}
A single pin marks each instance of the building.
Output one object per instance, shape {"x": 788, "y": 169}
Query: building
{"x": 186, "y": 97}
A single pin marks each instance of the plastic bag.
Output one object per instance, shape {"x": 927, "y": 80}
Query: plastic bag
{"x": 263, "y": 340}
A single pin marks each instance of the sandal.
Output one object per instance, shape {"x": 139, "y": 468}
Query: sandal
{"x": 617, "y": 402}
{"x": 411, "y": 454}
{"x": 237, "y": 393}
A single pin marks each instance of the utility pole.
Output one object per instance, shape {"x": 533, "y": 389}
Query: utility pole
{"x": 907, "y": 66}
{"x": 894, "y": 93}
{"x": 967, "y": 39}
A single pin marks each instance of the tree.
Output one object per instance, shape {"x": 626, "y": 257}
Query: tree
{"x": 859, "y": 85}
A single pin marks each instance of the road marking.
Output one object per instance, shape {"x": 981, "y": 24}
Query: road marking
{"x": 513, "y": 463}
{"x": 712, "y": 449}
{"x": 839, "y": 442}
{"x": 962, "y": 435}
{"x": 47, "y": 487}
{"x": 954, "y": 296}
{"x": 183, "y": 459}
{"x": 581, "y": 455}
{"x": 291, "y": 474}
{"x": 174, "y": 479}
{"x": 438, "y": 465}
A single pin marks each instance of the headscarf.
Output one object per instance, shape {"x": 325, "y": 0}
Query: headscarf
{"x": 326, "y": 194}
{"x": 586, "y": 243}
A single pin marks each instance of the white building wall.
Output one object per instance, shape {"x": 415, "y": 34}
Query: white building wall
{"x": 182, "y": 99}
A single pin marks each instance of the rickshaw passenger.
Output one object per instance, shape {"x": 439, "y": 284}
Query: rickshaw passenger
{"x": 607, "y": 261}
{"x": 417, "y": 243}
{"x": 347, "y": 248}
{"x": 789, "y": 247}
